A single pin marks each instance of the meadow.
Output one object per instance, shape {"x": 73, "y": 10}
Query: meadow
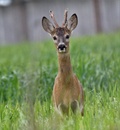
{"x": 27, "y": 72}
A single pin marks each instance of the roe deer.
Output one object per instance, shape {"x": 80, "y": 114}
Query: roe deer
{"x": 67, "y": 90}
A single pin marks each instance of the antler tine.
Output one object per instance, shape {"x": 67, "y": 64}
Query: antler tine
{"x": 53, "y": 18}
{"x": 65, "y": 18}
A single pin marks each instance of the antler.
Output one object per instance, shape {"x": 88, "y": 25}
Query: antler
{"x": 53, "y": 18}
{"x": 65, "y": 18}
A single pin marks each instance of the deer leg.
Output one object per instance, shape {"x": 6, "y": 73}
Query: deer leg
{"x": 81, "y": 109}
{"x": 74, "y": 106}
{"x": 64, "y": 109}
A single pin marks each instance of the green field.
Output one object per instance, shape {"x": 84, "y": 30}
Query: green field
{"x": 27, "y": 73}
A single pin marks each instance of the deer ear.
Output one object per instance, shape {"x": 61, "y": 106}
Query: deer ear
{"x": 47, "y": 25}
{"x": 72, "y": 22}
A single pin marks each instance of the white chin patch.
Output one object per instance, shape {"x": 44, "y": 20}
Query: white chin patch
{"x": 62, "y": 51}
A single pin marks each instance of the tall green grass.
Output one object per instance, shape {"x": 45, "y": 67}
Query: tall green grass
{"x": 27, "y": 73}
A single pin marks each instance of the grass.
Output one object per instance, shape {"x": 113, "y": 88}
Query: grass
{"x": 27, "y": 73}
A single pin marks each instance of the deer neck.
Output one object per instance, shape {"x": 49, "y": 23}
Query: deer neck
{"x": 64, "y": 65}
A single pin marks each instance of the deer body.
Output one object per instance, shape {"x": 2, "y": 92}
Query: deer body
{"x": 67, "y": 90}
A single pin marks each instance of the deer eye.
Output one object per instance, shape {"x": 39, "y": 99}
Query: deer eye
{"x": 54, "y": 38}
{"x": 67, "y": 36}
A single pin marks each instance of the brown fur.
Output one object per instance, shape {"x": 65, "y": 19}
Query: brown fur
{"x": 67, "y": 91}
{"x": 67, "y": 88}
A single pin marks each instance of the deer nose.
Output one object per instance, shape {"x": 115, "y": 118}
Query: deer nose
{"x": 61, "y": 47}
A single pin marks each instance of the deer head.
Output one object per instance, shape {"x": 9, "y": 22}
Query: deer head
{"x": 60, "y": 34}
